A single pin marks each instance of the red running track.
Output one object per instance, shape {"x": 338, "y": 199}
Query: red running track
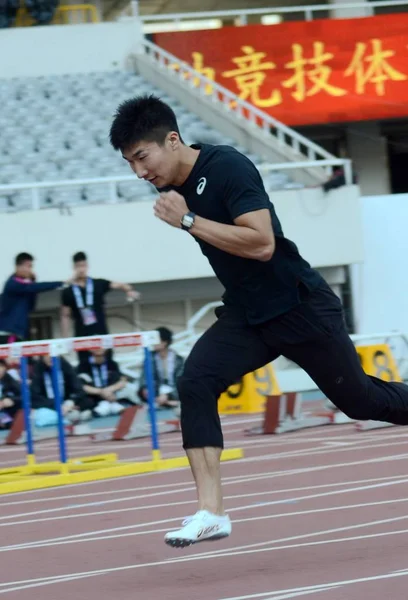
{"x": 320, "y": 513}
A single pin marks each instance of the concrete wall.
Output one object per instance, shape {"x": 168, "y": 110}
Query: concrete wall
{"x": 59, "y": 49}
{"x": 126, "y": 242}
{"x": 380, "y": 284}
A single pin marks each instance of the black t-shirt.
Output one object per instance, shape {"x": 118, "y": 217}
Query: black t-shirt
{"x": 68, "y": 298}
{"x": 223, "y": 185}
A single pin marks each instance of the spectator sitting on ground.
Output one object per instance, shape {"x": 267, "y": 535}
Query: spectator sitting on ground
{"x": 75, "y": 404}
{"x": 167, "y": 367}
{"x": 10, "y": 396}
{"x": 103, "y": 383}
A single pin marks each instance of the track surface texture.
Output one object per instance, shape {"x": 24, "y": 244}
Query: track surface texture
{"x": 318, "y": 513}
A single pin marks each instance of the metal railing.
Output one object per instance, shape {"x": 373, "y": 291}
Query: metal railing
{"x": 345, "y": 163}
{"x": 263, "y": 123}
{"x": 111, "y": 185}
{"x": 240, "y": 16}
{"x": 8, "y": 190}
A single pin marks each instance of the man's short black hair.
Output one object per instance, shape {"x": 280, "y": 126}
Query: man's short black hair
{"x": 166, "y": 335}
{"x": 79, "y": 257}
{"x": 144, "y": 118}
{"x": 22, "y": 258}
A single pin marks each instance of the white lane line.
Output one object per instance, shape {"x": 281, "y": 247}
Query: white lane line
{"x": 226, "y": 466}
{"x": 189, "y": 489}
{"x": 236, "y": 481}
{"x": 287, "y": 596}
{"x": 92, "y": 536}
{"x": 188, "y": 502}
{"x": 318, "y": 587}
{"x": 29, "y": 583}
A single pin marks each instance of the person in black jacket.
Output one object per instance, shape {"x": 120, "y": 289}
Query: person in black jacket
{"x": 10, "y": 396}
{"x": 75, "y": 404}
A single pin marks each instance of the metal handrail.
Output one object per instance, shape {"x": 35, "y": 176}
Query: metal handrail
{"x": 263, "y": 168}
{"x": 111, "y": 182}
{"x": 265, "y": 123}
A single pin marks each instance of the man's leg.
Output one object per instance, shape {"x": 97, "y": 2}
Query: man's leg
{"x": 226, "y": 352}
{"x": 328, "y": 355}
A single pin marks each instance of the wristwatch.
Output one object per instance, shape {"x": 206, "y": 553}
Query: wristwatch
{"x": 187, "y": 221}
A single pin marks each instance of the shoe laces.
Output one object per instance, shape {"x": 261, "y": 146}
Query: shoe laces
{"x": 190, "y": 518}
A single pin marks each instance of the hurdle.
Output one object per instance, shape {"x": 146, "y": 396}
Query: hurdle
{"x": 133, "y": 425}
{"x": 284, "y": 413}
{"x": 66, "y": 471}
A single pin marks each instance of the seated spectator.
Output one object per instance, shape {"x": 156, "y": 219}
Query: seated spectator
{"x": 75, "y": 404}
{"x": 103, "y": 383}
{"x": 337, "y": 179}
{"x": 10, "y": 396}
{"x": 167, "y": 367}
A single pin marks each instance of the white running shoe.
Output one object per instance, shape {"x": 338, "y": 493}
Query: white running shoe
{"x": 73, "y": 416}
{"x": 116, "y": 408}
{"x": 86, "y": 415}
{"x": 203, "y": 526}
{"x": 103, "y": 408}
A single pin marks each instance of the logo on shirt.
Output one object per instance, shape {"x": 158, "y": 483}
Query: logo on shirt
{"x": 201, "y": 185}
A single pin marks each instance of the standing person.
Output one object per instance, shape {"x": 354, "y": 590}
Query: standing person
{"x": 274, "y": 302}
{"x": 84, "y": 303}
{"x": 18, "y": 299}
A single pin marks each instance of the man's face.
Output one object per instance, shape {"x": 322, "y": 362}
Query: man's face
{"x": 25, "y": 270}
{"x": 161, "y": 346}
{"x": 99, "y": 356}
{"x": 155, "y": 163}
{"x": 81, "y": 269}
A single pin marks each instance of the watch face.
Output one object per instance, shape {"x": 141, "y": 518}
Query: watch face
{"x": 188, "y": 221}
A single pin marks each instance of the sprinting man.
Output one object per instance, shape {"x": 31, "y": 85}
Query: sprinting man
{"x": 274, "y": 302}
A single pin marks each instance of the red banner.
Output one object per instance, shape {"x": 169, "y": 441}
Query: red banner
{"x": 302, "y": 72}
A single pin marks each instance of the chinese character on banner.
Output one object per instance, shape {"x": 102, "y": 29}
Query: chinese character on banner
{"x": 318, "y": 75}
{"x": 373, "y": 68}
{"x": 250, "y": 76}
{"x": 198, "y": 65}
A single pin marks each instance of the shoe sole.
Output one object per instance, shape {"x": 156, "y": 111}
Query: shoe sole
{"x": 183, "y": 543}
